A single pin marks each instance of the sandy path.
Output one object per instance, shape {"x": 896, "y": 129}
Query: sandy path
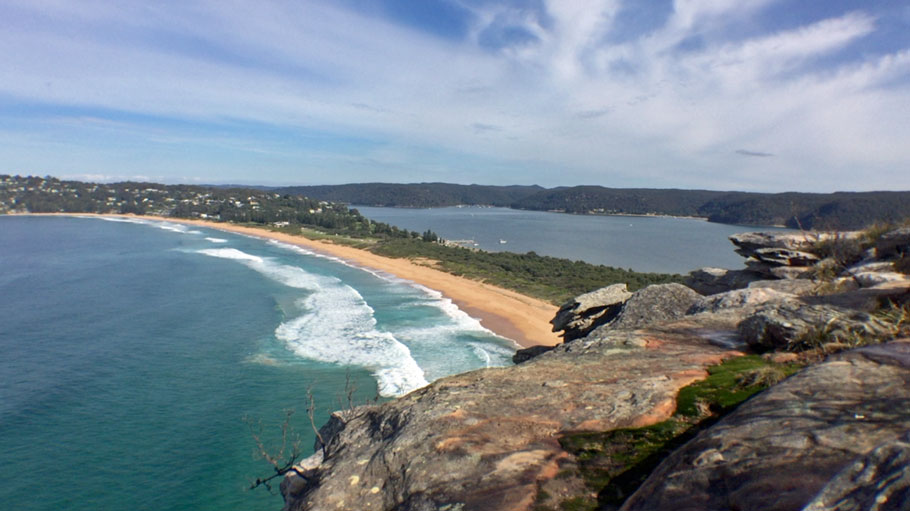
{"x": 521, "y": 318}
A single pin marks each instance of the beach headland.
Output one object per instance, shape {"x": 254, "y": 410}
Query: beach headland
{"x": 523, "y": 319}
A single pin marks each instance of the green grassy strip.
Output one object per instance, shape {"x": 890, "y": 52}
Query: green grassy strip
{"x": 549, "y": 278}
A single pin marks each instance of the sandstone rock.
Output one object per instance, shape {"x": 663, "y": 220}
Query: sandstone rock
{"x": 653, "y": 305}
{"x": 798, "y": 287}
{"x": 525, "y": 354}
{"x": 785, "y": 257}
{"x": 586, "y": 312}
{"x": 893, "y": 243}
{"x": 871, "y": 266}
{"x": 877, "y": 278}
{"x": 787, "y": 325}
{"x": 788, "y": 272}
{"x": 487, "y": 440}
{"x": 748, "y": 242}
{"x": 878, "y": 481}
{"x": 738, "y": 299}
{"x": 709, "y": 281}
{"x": 778, "y": 450}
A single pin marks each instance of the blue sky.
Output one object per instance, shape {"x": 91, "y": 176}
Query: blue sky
{"x": 758, "y": 95}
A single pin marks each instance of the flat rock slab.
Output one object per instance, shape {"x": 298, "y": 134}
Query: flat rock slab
{"x": 577, "y": 317}
{"x": 777, "y": 451}
{"x": 748, "y": 243}
{"x": 485, "y": 440}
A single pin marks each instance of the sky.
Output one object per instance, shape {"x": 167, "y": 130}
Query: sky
{"x": 754, "y": 95}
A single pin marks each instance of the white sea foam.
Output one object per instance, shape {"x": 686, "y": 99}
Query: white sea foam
{"x": 217, "y": 240}
{"x": 160, "y": 224}
{"x": 337, "y": 325}
{"x": 121, "y": 220}
{"x": 230, "y": 253}
{"x": 461, "y": 318}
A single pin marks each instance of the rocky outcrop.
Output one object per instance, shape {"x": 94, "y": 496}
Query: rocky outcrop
{"x": 487, "y": 440}
{"x": 738, "y": 299}
{"x": 579, "y": 316}
{"x": 790, "y": 324}
{"x": 613, "y": 307}
{"x": 525, "y": 354}
{"x": 749, "y": 244}
{"x": 807, "y": 443}
{"x": 878, "y": 481}
{"x": 709, "y": 281}
{"x": 654, "y": 305}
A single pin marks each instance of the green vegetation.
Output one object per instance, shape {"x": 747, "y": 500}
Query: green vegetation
{"x": 417, "y": 195}
{"x": 549, "y": 278}
{"x": 615, "y": 463}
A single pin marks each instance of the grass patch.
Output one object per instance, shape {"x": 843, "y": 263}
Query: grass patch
{"x": 615, "y": 463}
{"x": 549, "y": 278}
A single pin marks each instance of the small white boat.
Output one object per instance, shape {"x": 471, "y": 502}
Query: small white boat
{"x": 502, "y": 242}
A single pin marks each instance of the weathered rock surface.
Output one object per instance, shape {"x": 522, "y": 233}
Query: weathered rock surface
{"x": 653, "y": 305}
{"x": 799, "y": 287}
{"x": 709, "y": 281}
{"x": 749, "y": 243}
{"x": 878, "y": 481}
{"x": 525, "y": 354}
{"x": 780, "y": 449}
{"x": 487, "y": 440}
{"x": 781, "y": 325}
{"x": 785, "y": 257}
{"x": 577, "y": 317}
{"x": 738, "y": 299}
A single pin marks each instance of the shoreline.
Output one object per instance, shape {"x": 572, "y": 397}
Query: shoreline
{"x": 519, "y": 318}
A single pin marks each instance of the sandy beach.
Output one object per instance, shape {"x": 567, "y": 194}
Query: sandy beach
{"x": 512, "y": 315}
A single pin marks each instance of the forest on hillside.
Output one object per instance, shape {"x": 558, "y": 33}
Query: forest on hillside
{"x": 840, "y": 210}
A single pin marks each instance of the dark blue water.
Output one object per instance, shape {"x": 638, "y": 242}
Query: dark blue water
{"x": 651, "y": 244}
{"x": 131, "y": 354}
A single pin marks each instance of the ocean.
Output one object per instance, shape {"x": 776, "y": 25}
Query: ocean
{"x": 642, "y": 243}
{"x": 135, "y": 355}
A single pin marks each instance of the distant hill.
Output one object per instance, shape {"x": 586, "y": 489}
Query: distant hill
{"x": 841, "y": 210}
{"x": 415, "y": 195}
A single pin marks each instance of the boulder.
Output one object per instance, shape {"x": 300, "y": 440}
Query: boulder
{"x": 893, "y": 243}
{"x": 525, "y": 354}
{"x": 738, "y": 299}
{"x": 777, "y": 451}
{"x": 795, "y": 325}
{"x": 709, "y": 281}
{"x": 653, "y": 305}
{"x": 879, "y": 480}
{"x": 582, "y": 314}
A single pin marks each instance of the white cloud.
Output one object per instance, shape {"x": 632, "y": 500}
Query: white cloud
{"x": 632, "y": 113}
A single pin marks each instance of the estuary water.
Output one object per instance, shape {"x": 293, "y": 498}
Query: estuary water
{"x": 642, "y": 243}
{"x": 132, "y": 352}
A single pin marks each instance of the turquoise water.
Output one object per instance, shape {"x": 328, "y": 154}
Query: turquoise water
{"x": 651, "y": 244}
{"x": 130, "y": 354}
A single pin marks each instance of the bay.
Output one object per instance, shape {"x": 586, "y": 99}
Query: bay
{"x": 642, "y": 243}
